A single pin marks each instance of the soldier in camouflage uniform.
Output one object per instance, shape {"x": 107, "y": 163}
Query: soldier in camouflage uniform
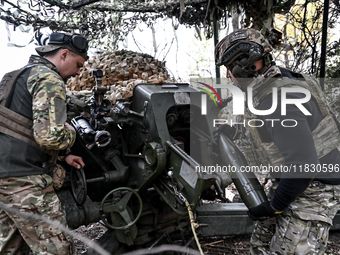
{"x": 302, "y": 201}
{"x": 39, "y": 95}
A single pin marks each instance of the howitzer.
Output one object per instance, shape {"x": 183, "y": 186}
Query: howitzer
{"x": 140, "y": 183}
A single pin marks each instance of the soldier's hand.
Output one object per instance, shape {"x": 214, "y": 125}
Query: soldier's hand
{"x": 74, "y": 161}
{"x": 262, "y": 212}
{"x": 68, "y": 126}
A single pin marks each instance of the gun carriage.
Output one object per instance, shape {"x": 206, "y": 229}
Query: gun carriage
{"x": 143, "y": 159}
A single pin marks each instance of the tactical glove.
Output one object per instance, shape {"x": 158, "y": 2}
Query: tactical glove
{"x": 262, "y": 212}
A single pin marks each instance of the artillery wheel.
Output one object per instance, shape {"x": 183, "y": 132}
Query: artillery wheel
{"x": 121, "y": 208}
{"x": 78, "y": 185}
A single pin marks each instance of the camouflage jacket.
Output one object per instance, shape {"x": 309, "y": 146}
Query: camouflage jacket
{"x": 40, "y": 96}
{"x": 326, "y": 135}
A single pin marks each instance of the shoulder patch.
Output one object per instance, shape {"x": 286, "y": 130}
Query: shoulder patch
{"x": 238, "y": 35}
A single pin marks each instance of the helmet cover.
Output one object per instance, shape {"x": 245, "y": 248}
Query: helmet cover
{"x": 246, "y": 34}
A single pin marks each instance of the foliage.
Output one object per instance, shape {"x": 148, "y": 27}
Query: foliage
{"x": 202, "y": 58}
{"x": 333, "y": 53}
{"x": 332, "y": 81}
{"x": 300, "y": 50}
{"x": 302, "y": 30}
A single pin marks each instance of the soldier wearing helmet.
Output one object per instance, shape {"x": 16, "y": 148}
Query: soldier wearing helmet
{"x": 32, "y": 128}
{"x": 302, "y": 200}
{"x": 241, "y": 51}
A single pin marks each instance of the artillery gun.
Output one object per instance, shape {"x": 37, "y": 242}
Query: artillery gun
{"x": 144, "y": 160}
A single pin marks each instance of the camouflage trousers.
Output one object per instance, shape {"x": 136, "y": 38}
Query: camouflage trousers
{"x": 304, "y": 228}
{"x": 18, "y": 235}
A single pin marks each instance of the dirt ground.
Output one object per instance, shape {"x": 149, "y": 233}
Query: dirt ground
{"x": 240, "y": 245}
{"x": 214, "y": 246}
{"x": 228, "y": 245}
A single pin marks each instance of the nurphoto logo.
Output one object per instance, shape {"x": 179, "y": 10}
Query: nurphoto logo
{"x": 238, "y": 104}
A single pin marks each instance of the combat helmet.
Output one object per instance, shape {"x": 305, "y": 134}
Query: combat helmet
{"x": 243, "y": 47}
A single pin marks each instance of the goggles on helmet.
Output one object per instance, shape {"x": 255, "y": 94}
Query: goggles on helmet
{"x": 239, "y": 49}
{"x": 78, "y": 42}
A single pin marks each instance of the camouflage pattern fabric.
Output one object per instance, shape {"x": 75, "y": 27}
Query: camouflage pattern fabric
{"x": 49, "y": 106}
{"x": 326, "y": 135}
{"x": 33, "y": 194}
{"x": 224, "y": 113}
{"x": 39, "y": 95}
{"x": 58, "y": 174}
{"x": 304, "y": 228}
{"x": 246, "y": 34}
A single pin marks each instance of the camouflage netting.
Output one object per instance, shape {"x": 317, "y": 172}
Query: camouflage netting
{"x": 106, "y": 23}
{"x": 122, "y": 71}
